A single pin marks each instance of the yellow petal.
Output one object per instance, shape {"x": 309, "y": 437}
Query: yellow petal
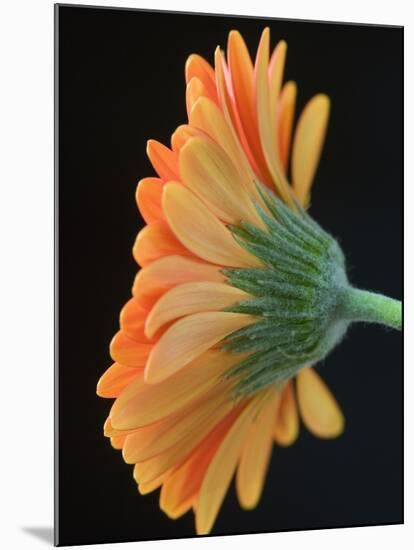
{"x": 141, "y": 404}
{"x": 148, "y": 198}
{"x": 286, "y": 111}
{"x": 318, "y": 407}
{"x": 163, "y": 160}
{"x": 287, "y": 419}
{"x": 221, "y": 469}
{"x": 154, "y": 241}
{"x": 115, "y": 379}
{"x": 200, "y": 231}
{"x": 189, "y": 338}
{"x": 191, "y": 298}
{"x": 169, "y": 271}
{"x": 207, "y": 170}
{"x": 307, "y": 145}
{"x": 256, "y": 453}
{"x": 267, "y": 133}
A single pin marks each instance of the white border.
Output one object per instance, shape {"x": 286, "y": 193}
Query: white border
{"x": 26, "y": 289}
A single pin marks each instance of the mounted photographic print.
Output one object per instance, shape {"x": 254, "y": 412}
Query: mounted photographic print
{"x": 229, "y": 251}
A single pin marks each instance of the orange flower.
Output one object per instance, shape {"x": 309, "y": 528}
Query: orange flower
{"x": 176, "y": 416}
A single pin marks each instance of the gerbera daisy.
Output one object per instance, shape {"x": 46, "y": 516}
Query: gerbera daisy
{"x": 239, "y": 293}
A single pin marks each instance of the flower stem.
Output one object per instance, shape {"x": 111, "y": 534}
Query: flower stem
{"x": 362, "y": 305}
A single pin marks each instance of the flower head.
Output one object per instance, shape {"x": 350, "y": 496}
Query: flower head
{"x": 237, "y": 295}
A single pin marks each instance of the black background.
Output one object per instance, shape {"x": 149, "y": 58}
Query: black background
{"x": 121, "y": 82}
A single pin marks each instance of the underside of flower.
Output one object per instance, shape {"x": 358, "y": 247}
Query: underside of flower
{"x": 295, "y": 296}
{"x": 238, "y": 295}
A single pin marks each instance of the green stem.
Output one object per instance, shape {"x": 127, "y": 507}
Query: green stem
{"x": 362, "y": 305}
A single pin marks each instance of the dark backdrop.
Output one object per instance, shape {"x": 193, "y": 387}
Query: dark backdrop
{"x": 121, "y": 82}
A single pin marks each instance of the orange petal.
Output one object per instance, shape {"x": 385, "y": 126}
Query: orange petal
{"x": 129, "y": 352}
{"x": 287, "y": 419}
{"x": 176, "y": 455}
{"x": 182, "y": 134}
{"x": 118, "y": 441}
{"x": 188, "y": 338}
{"x": 286, "y": 111}
{"x": 185, "y": 481}
{"x": 132, "y": 320}
{"x": 141, "y": 404}
{"x": 255, "y": 456}
{"x": 207, "y": 116}
{"x": 164, "y": 161}
{"x": 145, "y": 488}
{"x": 195, "y": 421}
{"x": 241, "y": 70}
{"x": 195, "y": 89}
{"x": 115, "y": 379}
{"x": 318, "y": 407}
{"x": 148, "y": 196}
{"x": 307, "y": 145}
{"x": 276, "y": 68}
{"x": 210, "y": 174}
{"x": 230, "y": 112}
{"x": 154, "y": 241}
{"x": 221, "y": 469}
{"x": 266, "y": 128}
{"x": 169, "y": 271}
{"x": 198, "y": 67}
{"x": 200, "y": 231}
{"x": 191, "y": 298}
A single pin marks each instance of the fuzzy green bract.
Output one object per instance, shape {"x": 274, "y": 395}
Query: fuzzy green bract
{"x": 296, "y": 296}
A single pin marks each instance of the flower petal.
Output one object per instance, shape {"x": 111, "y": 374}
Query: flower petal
{"x": 188, "y": 338}
{"x": 194, "y": 422}
{"x": 183, "y": 133}
{"x": 129, "y": 352}
{"x": 206, "y": 116}
{"x": 267, "y": 134}
{"x": 115, "y": 379}
{"x": 287, "y": 418}
{"x": 148, "y": 196}
{"x": 164, "y": 161}
{"x": 318, "y": 407}
{"x": 241, "y": 70}
{"x": 198, "y": 67}
{"x": 191, "y": 298}
{"x": 200, "y": 231}
{"x": 210, "y": 174}
{"x": 221, "y": 469}
{"x": 185, "y": 481}
{"x": 169, "y": 271}
{"x": 286, "y": 111}
{"x": 307, "y": 145}
{"x": 141, "y": 404}
{"x": 195, "y": 89}
{"x": 256, "y": 453}
{"x": 154, "y": 241}
{"x": 132, "y": 320}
